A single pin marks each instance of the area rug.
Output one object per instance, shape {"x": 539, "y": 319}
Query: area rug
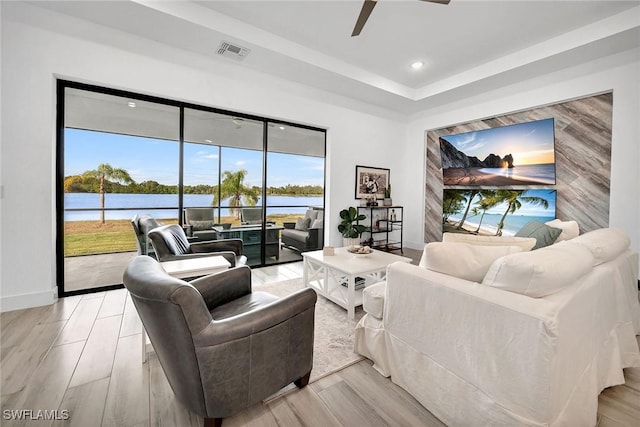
{"x": 334, "y": 332}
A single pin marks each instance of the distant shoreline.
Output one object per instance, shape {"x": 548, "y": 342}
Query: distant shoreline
{"x": 475, "y": 176}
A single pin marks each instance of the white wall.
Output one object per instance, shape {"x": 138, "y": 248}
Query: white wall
{"x": 619, "y": 72}
{"x": 32, "y": 58}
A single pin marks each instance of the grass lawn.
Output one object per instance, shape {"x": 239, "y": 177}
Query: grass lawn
{"x": 93, "y": 237}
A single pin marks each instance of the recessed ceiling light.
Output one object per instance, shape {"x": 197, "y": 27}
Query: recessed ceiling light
{"x": 417, "y": 65}
{"x": 131, "y": 104}
{"x": 281, "y": 127}
{"x": 208, "y": 140}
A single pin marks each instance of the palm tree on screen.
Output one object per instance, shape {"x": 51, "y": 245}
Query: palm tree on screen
{"x": 233, "y": 188}
{"x": 469, "y": 195}
{"x": 514, "y": 200}
{"x": 103, "y": 173}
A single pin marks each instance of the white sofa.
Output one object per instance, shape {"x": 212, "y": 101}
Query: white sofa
{"x": 486, "y": 354}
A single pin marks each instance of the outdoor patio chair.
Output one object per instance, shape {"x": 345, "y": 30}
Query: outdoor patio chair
{"x": 222, "y": 347}
{"x": 199, "y": 222}
{"x": 170, "y": 243}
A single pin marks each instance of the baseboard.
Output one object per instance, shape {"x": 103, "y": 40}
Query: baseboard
{"x": 35, "y": 299}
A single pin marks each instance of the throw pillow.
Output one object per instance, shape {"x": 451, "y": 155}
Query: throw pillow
{"x": 317, "y": 224}
{"x": 526, "y": 243}
{"x": 605, "y": 243}
{"x": 569, "y": 229}
{"x": 303, "y": 224}
{"x": 542, "y": 272}
{"x": 468, "y": 262}
{"x": 201, "y": 225}
{"x": 543, "y": 234}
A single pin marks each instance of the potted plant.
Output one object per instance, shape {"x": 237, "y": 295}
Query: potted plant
{"x": 348, "y": 227}
{"x": 387, "y": 196}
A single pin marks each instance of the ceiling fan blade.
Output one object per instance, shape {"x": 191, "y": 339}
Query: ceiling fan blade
{"x": 367, "y": 7}
{"x": 438, "y": 1}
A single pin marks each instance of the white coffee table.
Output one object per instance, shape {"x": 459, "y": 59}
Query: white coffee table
{"x": 327, "y": 273}
{"x": 184, "y": 268}
{"x": 193, "y": 267}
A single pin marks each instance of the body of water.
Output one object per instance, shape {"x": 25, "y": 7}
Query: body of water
{"x": 142, "y": 203}
{"x": 512, "y": 223}
{"x": 543, "y": 173}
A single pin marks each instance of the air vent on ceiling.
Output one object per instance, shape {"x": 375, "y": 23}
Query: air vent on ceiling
{"x": 233, "y": 51}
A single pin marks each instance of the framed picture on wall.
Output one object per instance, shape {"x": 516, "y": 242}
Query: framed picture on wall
{"x": 371, "y": 181}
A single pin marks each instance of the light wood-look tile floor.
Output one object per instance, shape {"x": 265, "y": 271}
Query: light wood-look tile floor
{"x": 82, "y": 354}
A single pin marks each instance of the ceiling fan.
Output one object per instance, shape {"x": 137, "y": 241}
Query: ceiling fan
{"x": 367, "y": 8}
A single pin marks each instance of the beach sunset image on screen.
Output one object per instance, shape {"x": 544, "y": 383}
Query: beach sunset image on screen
{"x": 509, "y": 155}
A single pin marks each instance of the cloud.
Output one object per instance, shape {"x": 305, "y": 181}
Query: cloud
{"x": 203, "y": 155}
{"x": 240, "y": 163}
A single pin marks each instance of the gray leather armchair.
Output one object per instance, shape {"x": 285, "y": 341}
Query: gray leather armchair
{"x": 141, "y": 227}
{"x": 223, "y": 347}
{"x": 171, "y": 243}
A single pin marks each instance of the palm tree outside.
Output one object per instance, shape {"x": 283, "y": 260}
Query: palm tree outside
{"x": 233, "y": 188}
{"x": 106, "y": 172}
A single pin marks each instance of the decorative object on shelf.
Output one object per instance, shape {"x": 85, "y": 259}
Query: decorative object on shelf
{"x": 328, "y": 251}
{"x": 371, "y": 182}
{"x": 371, "y": 201}
{"x": 383, "y": 227}
{"x": 349, "y": 227}
{"x": 387, "y": 196}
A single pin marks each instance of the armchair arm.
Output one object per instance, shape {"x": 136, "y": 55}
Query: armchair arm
{"x": 229, "y": 256}
{"x": 315, "y": 238}
{"x": 289, "y": 225}
{"x": 220, "y": 288}
{"x": 233, "y": 245}
{"x": 261, "y": 319}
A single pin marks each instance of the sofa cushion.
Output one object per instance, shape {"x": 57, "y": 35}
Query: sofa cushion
{"x": 605, "y": 243}
{"x": 201, "y": 225}
{"x": 297, "y": 235}
{"x": 525, "y": 243}
{"x": 312, "y": 214}
{"x": 317, "y": 224}
{"x": 542, "y": 272}
{"x": 569, "y": 229}
{"x": 461, "y": 260}
{"x": 543, "y": 234}
{"x": 303, "y": 223}
{"x": 373, "y": 299}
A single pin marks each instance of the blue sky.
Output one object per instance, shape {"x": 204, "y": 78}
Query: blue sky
{"x": 529, "y": 143}
{"x": 157, "y": 160}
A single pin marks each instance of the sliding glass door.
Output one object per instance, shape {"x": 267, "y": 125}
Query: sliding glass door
{"x": 120, "y": 159}
{"x": 122, "y": 155}
{"x": 295, "y": 188}
{"x": 229, "y": 148}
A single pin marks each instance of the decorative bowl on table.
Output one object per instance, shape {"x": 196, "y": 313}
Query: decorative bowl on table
{"x": 360, "y": 251}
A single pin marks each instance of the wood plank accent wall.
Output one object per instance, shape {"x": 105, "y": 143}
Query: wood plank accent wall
{"x": 583, "y": 161}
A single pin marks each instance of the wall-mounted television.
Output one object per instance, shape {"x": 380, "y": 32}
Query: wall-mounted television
{"x": 519, "y": 154}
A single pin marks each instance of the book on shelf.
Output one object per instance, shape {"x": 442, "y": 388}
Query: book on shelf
{"x": 360, "y": 281}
